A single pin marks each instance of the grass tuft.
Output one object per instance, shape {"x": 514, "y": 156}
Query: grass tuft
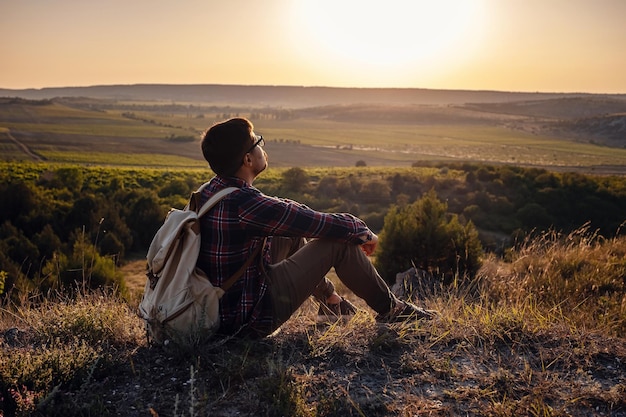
{"x": 60, "y": 342}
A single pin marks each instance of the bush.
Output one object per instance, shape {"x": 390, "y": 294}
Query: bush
{"x": 424, "y": 235}
{"x": 85, "y": 267}
{"x": 181, "y": 138}
{"x": 296, "y": 179}
{"x": 175, "y": 187}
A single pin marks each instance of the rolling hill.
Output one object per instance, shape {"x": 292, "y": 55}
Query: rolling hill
{"x": 285, "y": 96}
{"x": 318, "y": 126}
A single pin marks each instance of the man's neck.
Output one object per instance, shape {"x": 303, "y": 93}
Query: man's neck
{"x": 248, "y": 177}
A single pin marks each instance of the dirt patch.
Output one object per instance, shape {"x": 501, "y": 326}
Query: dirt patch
{"x": 135, "y": 274}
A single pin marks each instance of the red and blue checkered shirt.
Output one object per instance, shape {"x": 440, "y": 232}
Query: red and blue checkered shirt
{"x": 233, "y": 229}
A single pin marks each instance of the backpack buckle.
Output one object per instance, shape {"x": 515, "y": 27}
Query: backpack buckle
{"x": 152, "y": 278}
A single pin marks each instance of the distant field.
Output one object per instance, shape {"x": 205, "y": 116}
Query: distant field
{"x": 138, "y": 134}
{"x": 453, "y": 142}
{"x": 131, "y": 159}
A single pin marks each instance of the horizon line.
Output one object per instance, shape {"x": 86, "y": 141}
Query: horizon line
{"x": 312, "y": 87}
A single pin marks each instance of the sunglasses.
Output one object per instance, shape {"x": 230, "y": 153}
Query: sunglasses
{"x": 260, "y": 142}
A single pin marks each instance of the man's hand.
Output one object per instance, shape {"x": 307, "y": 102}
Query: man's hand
{"x": 370, "y": 246}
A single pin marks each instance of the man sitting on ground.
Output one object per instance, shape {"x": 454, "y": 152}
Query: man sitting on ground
{"x": 300, "y": 245}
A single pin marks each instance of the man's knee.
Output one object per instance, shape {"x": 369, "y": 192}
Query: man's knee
{"x": 283, "y": 247}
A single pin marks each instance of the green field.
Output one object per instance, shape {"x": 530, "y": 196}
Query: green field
{"x": 125, "y": 133}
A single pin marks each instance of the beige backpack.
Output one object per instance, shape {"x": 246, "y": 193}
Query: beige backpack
{"x": 179, "y": 303}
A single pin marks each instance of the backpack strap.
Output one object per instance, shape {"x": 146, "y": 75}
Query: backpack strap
{"x": 230, "y": 281}
{"x": 194, "y": 200}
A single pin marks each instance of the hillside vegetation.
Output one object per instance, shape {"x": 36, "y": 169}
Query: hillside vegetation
{"x": 512, "y": 203}
{"x": 536, "y": 337}
{"x": 538, "y": 331}
{"x": 53, "y": 214}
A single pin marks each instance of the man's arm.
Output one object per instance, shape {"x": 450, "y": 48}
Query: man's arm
{"x": 283, "y": 217}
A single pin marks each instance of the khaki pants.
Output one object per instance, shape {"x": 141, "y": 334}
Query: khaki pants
{"x": 299, "y": 270}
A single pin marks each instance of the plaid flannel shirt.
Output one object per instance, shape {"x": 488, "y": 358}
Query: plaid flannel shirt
{"x": 238, "y": 224}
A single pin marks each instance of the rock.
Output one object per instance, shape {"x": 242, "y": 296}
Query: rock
{"x": 414, "y": 284}
{"x": 14, "y": 337}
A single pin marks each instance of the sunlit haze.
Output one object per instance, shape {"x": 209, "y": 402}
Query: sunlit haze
{"x": 509, "y": 45}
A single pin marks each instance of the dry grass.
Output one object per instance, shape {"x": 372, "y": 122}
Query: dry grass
{"x": 514, "y": 348}
{"x": 581, "y": 273}
{"x": 58, "y": 344}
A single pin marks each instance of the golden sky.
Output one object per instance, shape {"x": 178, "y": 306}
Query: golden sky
{"x": 509, "y": 45}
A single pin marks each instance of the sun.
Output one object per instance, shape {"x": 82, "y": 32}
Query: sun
{"x": 386, "y": 34}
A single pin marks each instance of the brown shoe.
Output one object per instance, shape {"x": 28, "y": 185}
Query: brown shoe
{"x": 405, "y": 311}
{"x": 333, "y": 312}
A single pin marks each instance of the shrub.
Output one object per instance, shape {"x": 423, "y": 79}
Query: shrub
{"x": 423, "y": 234}
{"x": 296, "y": 179}
{"x": 181, "y": 138}
{"x": 175, "y": 187}
{"x": 84, "y": 267}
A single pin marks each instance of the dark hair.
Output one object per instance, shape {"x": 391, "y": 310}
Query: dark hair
{"x": 224, "y": 145}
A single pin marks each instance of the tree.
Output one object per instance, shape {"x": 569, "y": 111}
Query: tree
{"x": 425, "y": 235}
{"x": 375, "y": 191}
{"x": 47, "y": 241}
{"x": 295, "y": 179}
{"x": 18, "y": 248}
{"x": 71, "y": 178}
{"x": 17, "y": 199}
{"x": 175, "y": 187}
{"x": 327, "y": 187}
{"x": 146, "y": 216}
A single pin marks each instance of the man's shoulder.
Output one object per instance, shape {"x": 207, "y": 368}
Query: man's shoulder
{"x": 240, "y": 196}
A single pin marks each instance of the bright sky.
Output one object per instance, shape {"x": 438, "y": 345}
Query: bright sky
{"x": 511, "y": 45}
